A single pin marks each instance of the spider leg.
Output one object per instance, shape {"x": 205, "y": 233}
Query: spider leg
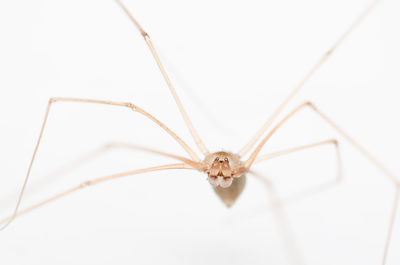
{"x": 309, "y": 74}
{"x": 391, "y": 225}
{"x": 133, "y": 108}
{"x": 319, "y": 188}
{"x": 194, "y": 163}
{"x": 334, "y": 142}
{"x": 360, "y": 148}
{"x": 92, "y": 182}
{"x": 149, "y": 43}
{"x": 354, "y": 143}
{"x": 90, "y": 156}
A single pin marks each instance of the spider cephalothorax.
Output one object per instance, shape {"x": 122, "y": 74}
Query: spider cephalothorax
{"x": 226, "y": 174}
{"x": 222, "y": 167}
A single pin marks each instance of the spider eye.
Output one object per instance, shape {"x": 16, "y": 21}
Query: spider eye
{"x": 226, "y": 159}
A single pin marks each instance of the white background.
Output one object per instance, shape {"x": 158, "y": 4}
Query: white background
{"x": 232, "y": 63}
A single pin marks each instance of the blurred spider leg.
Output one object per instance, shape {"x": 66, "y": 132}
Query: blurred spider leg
{"x": 120, "y": 104}
{"x": 188, "y": 122}
{"x": 92, "y": 183}
{"x": 361, "y": 149}
{"x": 391, "y": 224}
{"x": 294, "y": 256}
{"x": 318, "y": 188}
{"x": 90, "y": 156}
{"x": 353, "y": 142}
{"x": 300, "y": 85}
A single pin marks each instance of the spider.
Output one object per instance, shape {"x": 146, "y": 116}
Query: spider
{"x": 226, "y": 171}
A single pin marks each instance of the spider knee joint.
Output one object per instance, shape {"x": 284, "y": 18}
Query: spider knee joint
{"x": 87, "y": 183}
{"x": 130, "y": 105}
{"x": 329, "y": 52}
{"x": 310, "y": 104}
{"x": 108, "y": 146}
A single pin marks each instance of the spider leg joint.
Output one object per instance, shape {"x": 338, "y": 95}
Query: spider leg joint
{"x": 87, "y": 184}
{"x": 130, "y": 105}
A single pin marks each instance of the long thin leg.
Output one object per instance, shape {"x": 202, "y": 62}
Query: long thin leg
{"x": 300, "y": 85}
{"x": 92, "y": 183}
{"x": 339, "y": 170}
{"x": 194, "y": 163}
{"x": 361, "y": 149}
{"x": 300, "y": 148}
{"x": 313, "y": 190}
{"x": 391, "y": 224}
{"x": 146, "y": 37}
{"x": 133, "y": 108}
{"x": 310, "y": 191}
{"x": 96, "y": 153}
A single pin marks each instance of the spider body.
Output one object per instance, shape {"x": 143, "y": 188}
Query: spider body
{"x": 222, "y": 167}
{"x": 226, "y": 175}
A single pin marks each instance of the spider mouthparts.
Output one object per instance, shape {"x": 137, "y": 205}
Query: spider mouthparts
{"x": 213, "y": 181}
{"x": 224, "y": 182}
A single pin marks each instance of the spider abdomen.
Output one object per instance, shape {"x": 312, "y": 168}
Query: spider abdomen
{"x": 230, "y": 194}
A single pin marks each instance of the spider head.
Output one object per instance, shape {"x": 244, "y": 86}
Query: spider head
{"x": 221, "y": 168}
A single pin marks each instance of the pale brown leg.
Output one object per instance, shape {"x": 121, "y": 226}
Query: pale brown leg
{"x": 92, "y": 155}
{"x": 304, "y": 147}
{"x": 92, "y": 183}
{"x": 300, "y": 85}
{"x": 361, "y": 149}
{"x": 319, "y": 188}
{"x": 131, "y": 106}
{"x": 189, "y": 124}
{"x": 391, "y": 224}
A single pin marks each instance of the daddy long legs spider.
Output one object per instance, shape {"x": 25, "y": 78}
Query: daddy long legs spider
{"x": 224, "y": 170}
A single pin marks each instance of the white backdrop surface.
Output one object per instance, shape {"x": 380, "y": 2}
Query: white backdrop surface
{"x": 232, "y": 63}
